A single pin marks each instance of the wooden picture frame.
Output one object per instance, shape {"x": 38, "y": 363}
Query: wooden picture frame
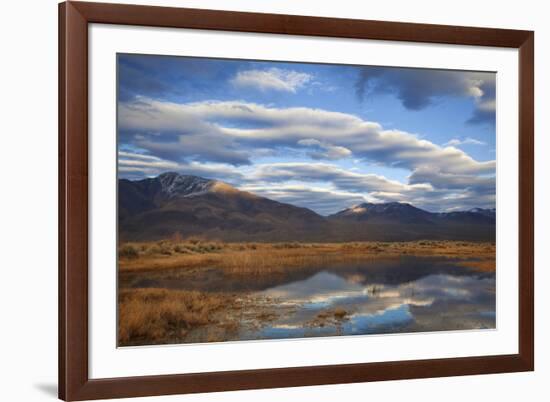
{"x": 74, "y": 381}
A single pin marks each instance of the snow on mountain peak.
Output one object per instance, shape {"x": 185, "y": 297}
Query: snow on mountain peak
{"x": 174, "y": 184}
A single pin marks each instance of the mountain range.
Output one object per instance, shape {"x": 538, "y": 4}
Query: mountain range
{"x": 156, "y": 208}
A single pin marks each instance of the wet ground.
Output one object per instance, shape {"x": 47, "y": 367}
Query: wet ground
{"x": 407, "y": 294}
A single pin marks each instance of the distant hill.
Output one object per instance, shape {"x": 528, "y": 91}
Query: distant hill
{"x": 391, "y": 212}
{"x": 156, "y": 208}
{"x": 395, "y": 221}
{"x": 404, "y": 213}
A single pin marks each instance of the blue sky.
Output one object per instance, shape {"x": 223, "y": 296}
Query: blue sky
{"x": 321, "y": 136}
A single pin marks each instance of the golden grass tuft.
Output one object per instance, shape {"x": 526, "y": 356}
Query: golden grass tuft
{"x": 162, "y": 316}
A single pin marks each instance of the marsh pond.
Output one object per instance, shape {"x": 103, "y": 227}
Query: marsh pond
{"x": 214, "y": 301}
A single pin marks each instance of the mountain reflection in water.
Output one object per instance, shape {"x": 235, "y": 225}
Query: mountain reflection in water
{"x": 437, "y": 296}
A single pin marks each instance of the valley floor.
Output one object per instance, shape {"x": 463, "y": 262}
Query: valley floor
{"x": 192, "y": 290}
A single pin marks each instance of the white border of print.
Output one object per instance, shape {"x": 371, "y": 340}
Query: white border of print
{"x": 106, "y": 360}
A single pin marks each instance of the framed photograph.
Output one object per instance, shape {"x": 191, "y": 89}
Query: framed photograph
{"x": 259, "y": 200}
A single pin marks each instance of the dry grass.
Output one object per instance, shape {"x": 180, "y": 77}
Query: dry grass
{"x": 261, "y": 258}
{"x": 159, "y": 316}
{"x": 162, "y": 316}
{"x": 333, "y": 317}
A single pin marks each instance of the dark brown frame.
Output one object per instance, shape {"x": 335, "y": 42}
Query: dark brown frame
{"x": 74, "y": 17}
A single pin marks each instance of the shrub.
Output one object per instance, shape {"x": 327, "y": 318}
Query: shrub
{"x": 128, "y": 251}
{"x": 165, "y": 249}
{"x": 180, "y": 249}
{"x": 340, "y": 313}
{"x": 193, "y": 240}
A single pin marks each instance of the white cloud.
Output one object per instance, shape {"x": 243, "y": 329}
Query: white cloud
{"x": 132, "y": 155}
{"x": 175, "y": 131}
{"x": 327, "y": 151}
{"x": 487, "y": 105}
{"x": 136, "y": 165}
{"x": 288, "y": 182}
{"x": 340, "y": 178}
{"x": 473, "y": 87}
{"x": 448, "y": 181}
{"x": 202, "y": 138}
{"x": 322, "y": 200}
{"x": 272, "y": 79}
{"x": 457, "y": 142}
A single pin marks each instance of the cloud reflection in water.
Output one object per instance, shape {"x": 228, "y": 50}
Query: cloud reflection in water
{"x": 433, "y": 302}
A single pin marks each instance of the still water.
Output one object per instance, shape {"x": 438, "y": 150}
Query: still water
{"x": 410, "y": 294}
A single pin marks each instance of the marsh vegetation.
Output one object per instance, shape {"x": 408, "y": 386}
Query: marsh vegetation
{"x": 194, "y": 290}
